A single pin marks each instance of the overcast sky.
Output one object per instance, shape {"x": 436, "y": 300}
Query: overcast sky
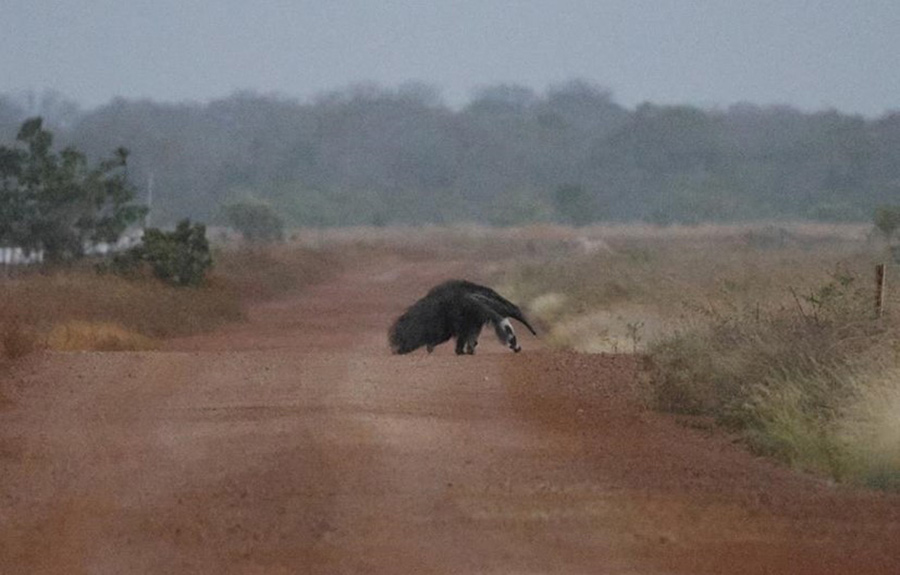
{"x": 813, "y": 54}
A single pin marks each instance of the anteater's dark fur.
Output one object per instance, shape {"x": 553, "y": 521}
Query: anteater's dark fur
{"x": 456, "y": 308}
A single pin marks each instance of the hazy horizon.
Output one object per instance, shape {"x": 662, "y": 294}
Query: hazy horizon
{"x": 804, "y": 54}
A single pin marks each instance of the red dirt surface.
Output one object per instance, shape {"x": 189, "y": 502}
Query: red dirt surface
{"x": 295, "y": 443}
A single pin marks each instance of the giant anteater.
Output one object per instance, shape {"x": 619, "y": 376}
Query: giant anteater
{"x": 456, "y": 308}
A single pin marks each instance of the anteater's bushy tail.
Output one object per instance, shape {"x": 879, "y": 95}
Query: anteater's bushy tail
{"x": 419, "y": 325}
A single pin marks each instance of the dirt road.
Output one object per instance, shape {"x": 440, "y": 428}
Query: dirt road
{"x": 294, "y": 443}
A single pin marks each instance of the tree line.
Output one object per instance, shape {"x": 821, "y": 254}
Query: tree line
{"x": 378, "y": 156}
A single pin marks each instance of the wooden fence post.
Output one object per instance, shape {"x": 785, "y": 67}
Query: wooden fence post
{"x": 879, "y": 290}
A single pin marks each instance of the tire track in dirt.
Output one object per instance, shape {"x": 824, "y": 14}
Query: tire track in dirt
{"x": 294, "y": 443}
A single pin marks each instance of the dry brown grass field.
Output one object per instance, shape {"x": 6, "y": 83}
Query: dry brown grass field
{"x": 768, "y": 330}
{"x": 80, "y": 310}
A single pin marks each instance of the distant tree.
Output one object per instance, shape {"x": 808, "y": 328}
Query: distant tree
{"x": 692, "y": 199}
{"x": 53, "y": 106}
{"x": 887, "y": 220}
{"x": 57, "y": 202}
{"x": 580, "y": 105}
{"x": 668, "y": 140}
{"x": 503, "y": 98}
{"x": 574, "y": 205}
{"x": 837, "y": 212}
{"x": 257, "y": 221}
{"x": 11, "y": 116}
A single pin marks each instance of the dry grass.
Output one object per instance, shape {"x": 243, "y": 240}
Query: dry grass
{"x": 869, "y": 430}
{"x": 96, "y": 336}
{"x": 770, "y": 330}
{"x": 81, "y": 310}
{"x": 147, "y": 307}
{"x": 627, "y": 287}
{"x": 841, "y": 422}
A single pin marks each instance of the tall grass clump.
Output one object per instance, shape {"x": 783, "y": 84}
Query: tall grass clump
{"x": 798, "y": 381}
{"x": 870, "y": 430}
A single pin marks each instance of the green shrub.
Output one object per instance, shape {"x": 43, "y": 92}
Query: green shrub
{"x": 181, "y": 257}
{"x": 257, "y": 221}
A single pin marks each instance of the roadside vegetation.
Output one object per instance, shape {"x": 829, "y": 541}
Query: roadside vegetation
{"x": 770, "y": 332}
{"x": 60, "y": 208}
{"x": 75, "y": 308}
